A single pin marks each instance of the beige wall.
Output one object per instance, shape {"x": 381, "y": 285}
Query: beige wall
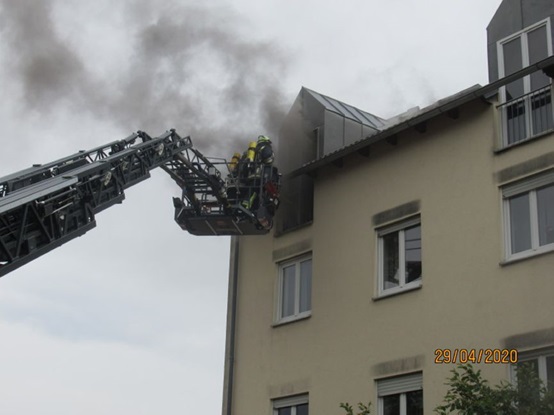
{"x": 467, "y": 300}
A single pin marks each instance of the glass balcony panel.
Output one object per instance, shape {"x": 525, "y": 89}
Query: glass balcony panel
{"x": 541, "y": 111}
{"x": 528, "y": 116}
{"x": 515, "y": 123}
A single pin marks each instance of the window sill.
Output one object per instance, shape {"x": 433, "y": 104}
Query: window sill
{"x": 384, "y": 295}
{"x": 290, "y": 320}
{"x": 523, "y": 142}
{"x": 547, "y": 249}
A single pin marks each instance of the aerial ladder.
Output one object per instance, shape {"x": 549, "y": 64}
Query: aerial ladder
{"x": 45, "y": 206}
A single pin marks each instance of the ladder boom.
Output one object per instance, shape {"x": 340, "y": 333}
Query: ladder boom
{"x": 44, "y": 206}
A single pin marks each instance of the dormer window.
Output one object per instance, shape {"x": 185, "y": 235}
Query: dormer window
{"x": 526, "y": 108}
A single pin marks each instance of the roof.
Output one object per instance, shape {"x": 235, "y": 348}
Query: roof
{"x": 347, "y": 111}
{"x": 413, "y": 118}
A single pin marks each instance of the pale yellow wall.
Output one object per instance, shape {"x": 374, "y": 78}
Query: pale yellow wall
{"x": 467, "y": 299}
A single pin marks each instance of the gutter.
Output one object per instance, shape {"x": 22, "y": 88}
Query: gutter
{"x": 229, "y": 371}
{"x": 475, "y": 93}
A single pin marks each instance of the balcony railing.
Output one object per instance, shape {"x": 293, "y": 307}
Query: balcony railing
{"x": 526, "y": 116}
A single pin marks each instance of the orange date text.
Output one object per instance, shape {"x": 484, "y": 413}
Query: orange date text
{"x": 487, "y": 356}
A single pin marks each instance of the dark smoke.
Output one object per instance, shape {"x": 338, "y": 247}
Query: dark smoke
{"x": 47, "y": 68}
{"x": 190, "y": 69}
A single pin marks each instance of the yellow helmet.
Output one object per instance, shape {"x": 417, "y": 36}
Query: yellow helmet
{"x": 263, "y": 138}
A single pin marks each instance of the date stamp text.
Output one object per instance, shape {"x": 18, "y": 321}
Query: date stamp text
{"x": 487, "y": 356}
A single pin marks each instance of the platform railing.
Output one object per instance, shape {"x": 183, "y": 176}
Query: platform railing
{"x": 526, "y": 116}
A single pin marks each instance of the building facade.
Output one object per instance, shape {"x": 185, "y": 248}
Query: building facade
{"x": 404, "y": 244}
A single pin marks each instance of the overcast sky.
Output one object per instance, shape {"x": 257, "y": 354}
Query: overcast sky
{"x": 130, "y": 318}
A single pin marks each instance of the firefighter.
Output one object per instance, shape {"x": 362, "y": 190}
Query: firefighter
{"x": 263, "y": 157}
{"x": 268, "y": 199}
{"x": 264, "y": 151}
{"x": 255, "y": 165}
{"x": 233, "y": 164}
{"x": 232, "y": 182}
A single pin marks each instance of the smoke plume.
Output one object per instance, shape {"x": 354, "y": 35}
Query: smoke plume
{"x": 189, "y": 67}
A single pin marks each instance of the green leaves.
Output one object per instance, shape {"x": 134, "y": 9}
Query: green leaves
{"x": 470, "y": 394}
{"x": 364, "y": 409}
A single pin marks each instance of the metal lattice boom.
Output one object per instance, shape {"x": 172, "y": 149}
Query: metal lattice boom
{"x": 45, "y": 206}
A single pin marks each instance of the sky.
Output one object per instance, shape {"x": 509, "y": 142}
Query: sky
{"x": 130, "y": 318}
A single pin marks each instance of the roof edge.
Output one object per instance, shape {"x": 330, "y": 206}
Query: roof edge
{"x": 427, "y": 113}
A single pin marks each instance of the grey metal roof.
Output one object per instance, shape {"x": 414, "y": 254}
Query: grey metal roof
{"x": 347, "y": 110}
{"x": 442, "y": 106}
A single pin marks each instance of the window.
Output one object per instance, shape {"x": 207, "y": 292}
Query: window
{"x": 529, "y": 216}
{"x": 400, "y": 257}
{"x": 295, "y": 289}
{"x": 526, "y": 108}
{"x": 402, "y": 395}
{"x": 319, "y": 142}
{"x": 296, "y": 405}
{"x": 543, "y": 365}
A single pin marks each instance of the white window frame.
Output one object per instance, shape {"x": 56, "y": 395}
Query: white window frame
{"x": 297, "y": 315}
{"x": 398, "y": 227}
{"x": 292, "y": 402}
{"x": 399, "y": 385}
{"x": 524, "y": 51}
{"x": 540, "y": 356}
{"x": 522, "y": 34}
{"x": 530, "y": 187}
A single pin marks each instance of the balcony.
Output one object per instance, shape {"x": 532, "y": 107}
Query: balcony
{"x": 527, "y": 116}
